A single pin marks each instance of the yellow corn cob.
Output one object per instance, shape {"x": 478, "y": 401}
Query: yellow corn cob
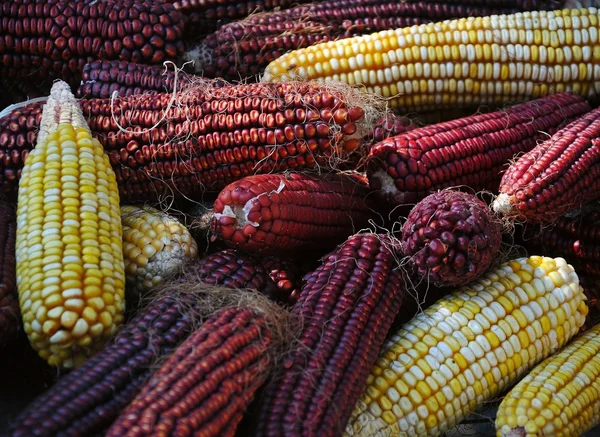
{"x": 468, "y": 347}
{"x": 469, "y": 61}
{"x": 560, "y": 397}
{"x": 70, "y": 273}
{"x": 155, "y": 246}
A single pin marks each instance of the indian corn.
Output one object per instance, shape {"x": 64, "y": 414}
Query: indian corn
{"x": 70, "y": 274}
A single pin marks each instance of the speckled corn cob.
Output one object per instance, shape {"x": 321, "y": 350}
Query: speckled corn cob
{"x": 558, "y": 176}
{"x": 283, "y": 213}
{"x": 205, "y": 387}
{"x": 211, "y": 137}
{"x": 559, "y": 397}
{"x": 345, "y": 309}
{"x": 458, "y": 63}
{"x": 70, "y": 273}
{"x": 243, "y": 49}
{"x": 10, "y": 318}
{"x": 468, "y": 347}
{"x": 468, "y": 152}
{"x": 86, "y": 401}
{"x": 100, "y": 79}
{"x": 155, "y": 247}
{"x": 57, "y": 38}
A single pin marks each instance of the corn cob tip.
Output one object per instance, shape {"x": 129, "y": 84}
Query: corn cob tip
{"x": 61, "y": 107}
{"x": 200, "y": 56}
{"x": 502, "y": 205}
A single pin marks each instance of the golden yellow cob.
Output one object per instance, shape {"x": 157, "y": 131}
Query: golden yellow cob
{"x": 468, "y": 347}
{"x": 70, "y": 273}
{"x": 155, "y": 246}
{"x": 463, "y": 62}
{"x": 558, "y": 398}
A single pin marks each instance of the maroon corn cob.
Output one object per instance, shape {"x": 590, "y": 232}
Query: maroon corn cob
{"x": 558, "y": 176}
{"x": 10, "y": 317}
{"x": 55, "y": 39}
{"x": 100, "y": 79}
{"x": 284, "y": 213}
{"x": 471, "y": 151}
{"x": 210, "y": 137}
{"x": 243, "y": 49}
{"x": 86, "y": 401}
{"x": 345, "y": 310}
{"x": 451, "y": 238}
{"x": 207, "y": 384}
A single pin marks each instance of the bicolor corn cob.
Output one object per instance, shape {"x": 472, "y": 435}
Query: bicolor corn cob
{"x": 451, "y": 238}
{"x": 470, "y": 346}
{"x": 10, "y": 318}
{"x": 86, "y": 401}
{"x": 231, "y": 268}
{"x": 207, "y": 384}
{"x": 559, "y": 397}
{"x": 209, "y": 138}
{"x": 155, "y": 247}
{"x": 345, "y": 309}
{"x": 284, "y": 213}
{"x": 57, "y": 38}
{"x": 100, "y": 79}
{"x": 558, "y": 176}
{"x": 464, "y": 62}
{"x": 244, "y": 48}
{"x": 471, "y": 151}
{"x": 70, "y": 273}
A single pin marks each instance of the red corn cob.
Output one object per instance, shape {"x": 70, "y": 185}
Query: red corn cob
{"x": 100, "y": 79}
{"x": 206, "y": 385}
{"x": 345, "y": 310}
{"x": 243, "y": 49}
{"x": 55, "y": 39}
{"x": 86, "y": 401}
{"x": 560, "y": 175}
{"x": 471, "y": 151}
{"x": 283, "y": 213}
{"x": 209, "y": 138}
{"x": 451, "y": 238}
{"x": 10, "y": 318}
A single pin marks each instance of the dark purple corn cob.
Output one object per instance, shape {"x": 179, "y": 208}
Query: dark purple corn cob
{"x": 345, "y": 310}
{"x": 244, "y": 48}
{"x": 56, "y": 38}
{"x": 86, "y": 401}
{"x": 451, "y": 238}
{"x": 210, "y": 138}
{"x": 284, "y": 213}
{"x": 558, "y": 176}
{"x": 206, "y": 385}
{"x": 100, "y": 79}
{"x": 472, "y": 151}
{"x": 10, "y": 316}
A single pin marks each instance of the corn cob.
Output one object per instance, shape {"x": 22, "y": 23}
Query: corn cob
{"x": 244, "y": 48}
{"x": 471, "y": 151}
{"x": 10, "y": 319}
{"x": 205, "y": 399}
{"x": 559, "y": 397}
{"x": 57, "y": 38}
{"x": 558, "y": 176}
{"x": 155, "y": 247}
{"x": 458, "y": 63}
{"x": 88, "y": 399}
{"x": 345, "y": 309}
{"x": 211, "y": 137}
{"x": 469, "y": 347}
{"x": 451, "y": 238}
{"x": 69, "y": 252}
{"x": 284, "y": 213}
{"x": 100, "y": 79}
